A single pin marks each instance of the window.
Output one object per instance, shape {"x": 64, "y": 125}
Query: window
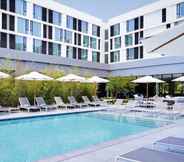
{"x": 56, "y": 18}
{"x": 136, "y": 38}
{"x": 37, "y": 12}
{"x": 36, "y": 29}
{"x": 128, "y": 40}
{"x": 68, "y": 36}
{"x": 142, "y": 22}
{"x": 69, "y": 22}
{"x": 71, "y": 52}
{"x": 44, "y": 14}
{"x": 79, "y": 25}
{"x": 20, "y": 43}
{"x": 50, "y": 48}
{"x": 77, "y": 39}
{"x": 133, "y": 53}
{"x": 12, "y": 41}
{"x": 136, "y": 25}
{"x": 95, "y": 56}
{"x": 11, "y": 23}
{"x": 84, "y": 27}
{"x": 21, "y": 7}
{"x": 50, "y": 32}
{"x": 37, "y": 46}
{"x": 4, "y": 21}
{"x": 130, "y": 54}
{"x": 164, "y": 15}
{"x": 3, "y": 4}
{"x": 117, "y": 42}
{"x": 115, "y": 56}
{"x": 106, "y": 58}
{"x": 82, "y": 54}
{"x": 180, "y": 10}
{"x": 58, "y": 34}
{"x": 106, "y": 46}
{"x": 85, "y": 41}
{"x": 56, "y": 49}
{"x": 141, "y": 52}
{"x": 44, "y": 47}
{"x": 12, "y": 6}
{"x": 93, "y": 43}
{"x": 3, "y": 40}
{"x": 111, "y": 44}
{"x": 50, "y": 16}
{"x": 96, "y": 30}
{"x": 168, "y": 26}
{"x": 106, "y": 34}
{"x": 115, "y": 30}
{"x": 130, "y": 25}
{"x": 44, "y": 31}
{"x": 22, "y": 25}
{"x": 99, "y": 44}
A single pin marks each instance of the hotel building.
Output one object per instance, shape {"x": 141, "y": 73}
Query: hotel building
{"x": 43, "y": 33}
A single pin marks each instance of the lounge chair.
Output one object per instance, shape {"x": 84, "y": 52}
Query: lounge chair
{"x": 88, "y": 102}
{"x": 73, "y": 102}
{"x": 98, "y": 101}
{"x": 42, "y": 104}
{"x": 172, "y": 143}
{"x": 61, "y": 104}
{"x": 25, "y": 105}
{"x": 149, "y": 155}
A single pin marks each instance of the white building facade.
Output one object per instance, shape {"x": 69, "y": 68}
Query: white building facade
{"x": 48, "y": 28}
{"x": 128, "y": 30}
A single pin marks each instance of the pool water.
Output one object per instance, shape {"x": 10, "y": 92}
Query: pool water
{"x": 29, "y": 140}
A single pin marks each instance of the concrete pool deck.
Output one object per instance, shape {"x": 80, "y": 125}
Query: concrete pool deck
{"x": 106, "y": 152}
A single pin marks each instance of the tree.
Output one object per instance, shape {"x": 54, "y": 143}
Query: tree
{"x": 120, "y": 86}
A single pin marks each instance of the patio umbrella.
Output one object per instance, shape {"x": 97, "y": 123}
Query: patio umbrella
{"x": 146, "y": 80}
{"x": 4, "y": 75}
{"x": 34, "y": 76}
{"x": 96, "y": 80}
{"x": 71, "y": 78}
{"x": 180, "y": 79}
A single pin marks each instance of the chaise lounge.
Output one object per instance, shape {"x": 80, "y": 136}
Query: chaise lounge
{"x": 25, "y": 105}
{"x": 149, "y": 155}
{"x": 88, "y": 102}
{"x": 61, "y": 104}
{"x": 42, "y": 104}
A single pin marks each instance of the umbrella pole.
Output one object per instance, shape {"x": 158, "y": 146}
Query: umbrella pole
{"x": 147, "y": 90}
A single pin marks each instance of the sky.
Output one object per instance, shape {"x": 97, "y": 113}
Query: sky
{"x": 105, "y": 9}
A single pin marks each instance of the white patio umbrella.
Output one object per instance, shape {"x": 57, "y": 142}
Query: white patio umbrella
{"x": 71, "y": 78}
{"x": 180, "y": 79}
{"x": 146, "y": 80}
{"x": 96, "y": 80}
{"x": 4, "y": 75}
{"x": 34, "y": 76}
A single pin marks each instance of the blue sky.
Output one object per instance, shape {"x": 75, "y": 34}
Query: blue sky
{"x": 106, "y": 9}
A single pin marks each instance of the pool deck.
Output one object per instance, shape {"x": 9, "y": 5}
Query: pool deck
{"x": 20, "y": 115}
{"x": 106, "y": 152}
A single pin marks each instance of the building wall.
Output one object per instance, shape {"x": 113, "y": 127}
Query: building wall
{"x": 64, "y": 11}
{"x": 153, "y": 25}
{"x": 117, "y": 34}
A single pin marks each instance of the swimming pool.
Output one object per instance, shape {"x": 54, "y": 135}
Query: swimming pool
{"x": 29, "y": 140}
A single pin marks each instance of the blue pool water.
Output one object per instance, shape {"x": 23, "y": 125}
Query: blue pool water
{"x": 29, "y": 140}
